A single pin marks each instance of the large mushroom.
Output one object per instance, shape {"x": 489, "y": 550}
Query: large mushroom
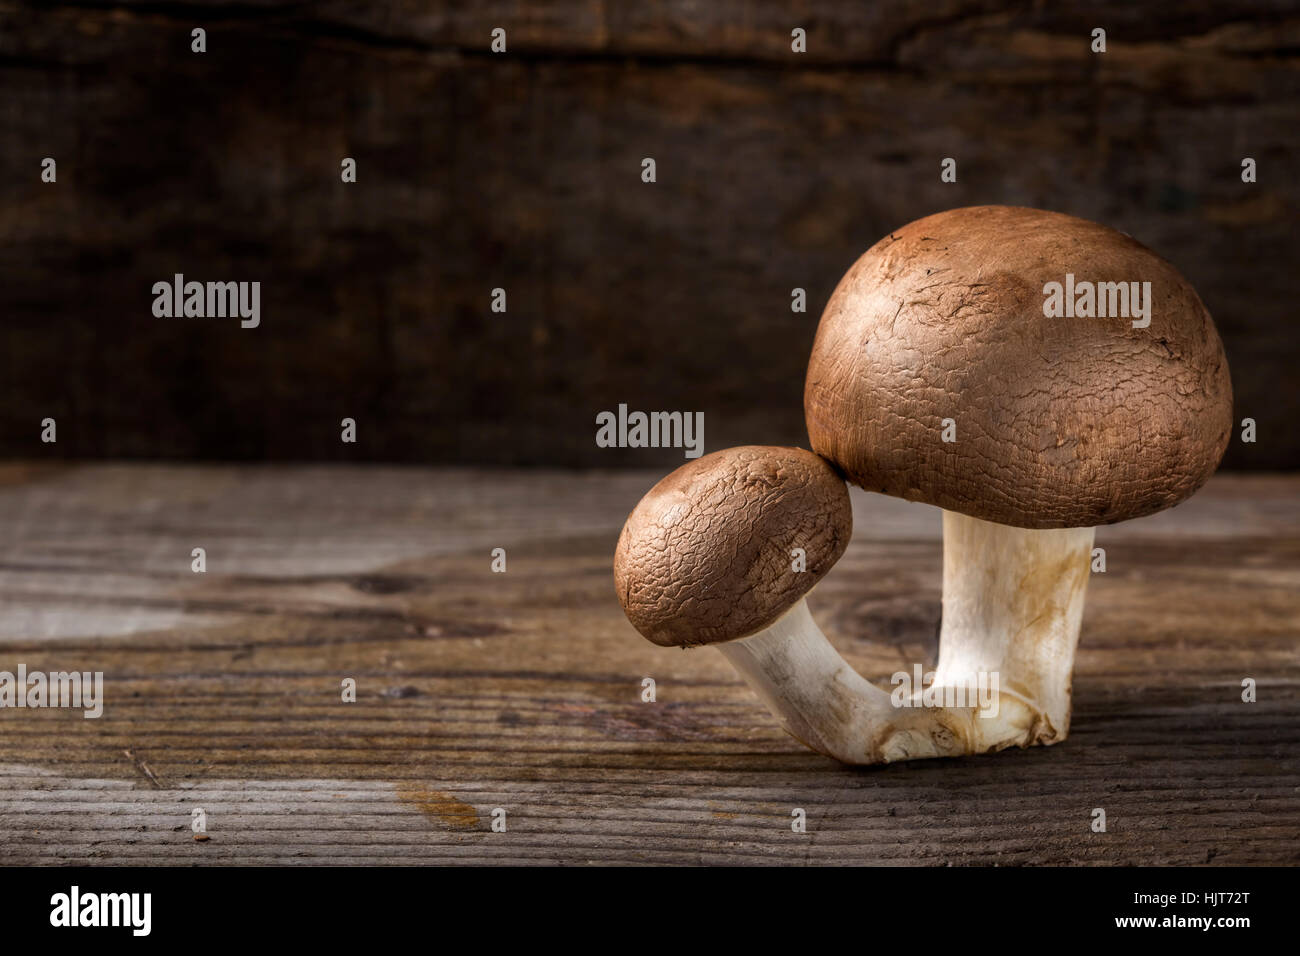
{"x": 939, "y": 375}
{"x": 1060, "y": 423}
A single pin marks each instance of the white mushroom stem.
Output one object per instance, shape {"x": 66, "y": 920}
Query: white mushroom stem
{"x": 1012, "y": 604}
{"x": 818, "y": 697}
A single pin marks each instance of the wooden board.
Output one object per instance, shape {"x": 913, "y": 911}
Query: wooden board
{"x": 521, "y": 171}
{"x": 522, "y": 690}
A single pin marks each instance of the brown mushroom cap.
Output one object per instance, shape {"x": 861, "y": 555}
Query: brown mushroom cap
{"x": 705, "y": 556}
{"x": 1060, "y": 422}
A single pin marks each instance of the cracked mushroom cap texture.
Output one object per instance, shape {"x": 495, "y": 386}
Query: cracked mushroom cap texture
{"x": 1059, "y": 422}
{"x": 705, "y": 556}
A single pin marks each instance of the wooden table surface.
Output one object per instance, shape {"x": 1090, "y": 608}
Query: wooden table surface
{"x": 522, "y": 690}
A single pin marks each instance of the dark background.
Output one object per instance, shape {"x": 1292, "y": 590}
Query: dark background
{"x": 522, "y": 170}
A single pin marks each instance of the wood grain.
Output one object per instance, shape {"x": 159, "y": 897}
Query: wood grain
{"x": 522, "y": 690}
{"x": 522, "y": 171}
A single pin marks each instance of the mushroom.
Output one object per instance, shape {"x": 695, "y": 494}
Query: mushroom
{"x": 709, "y": 556}
{"x": 1060, "y": 423}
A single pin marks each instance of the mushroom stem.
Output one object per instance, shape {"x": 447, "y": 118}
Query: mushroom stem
{"x": 1012, "y": 603}
{"x": 826, "y": 704}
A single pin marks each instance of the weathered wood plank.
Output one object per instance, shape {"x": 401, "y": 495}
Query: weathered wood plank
{"x": 522, "y": 691}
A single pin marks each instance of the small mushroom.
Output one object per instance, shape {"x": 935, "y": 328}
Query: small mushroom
{"x": 708, "y": 557}
{"x": 1060, "y": 423}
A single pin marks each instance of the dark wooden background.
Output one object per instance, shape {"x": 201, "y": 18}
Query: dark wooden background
{"x": 775, "y": 170}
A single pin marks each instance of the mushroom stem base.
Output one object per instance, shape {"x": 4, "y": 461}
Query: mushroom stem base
{"x": 827, "y": 705}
